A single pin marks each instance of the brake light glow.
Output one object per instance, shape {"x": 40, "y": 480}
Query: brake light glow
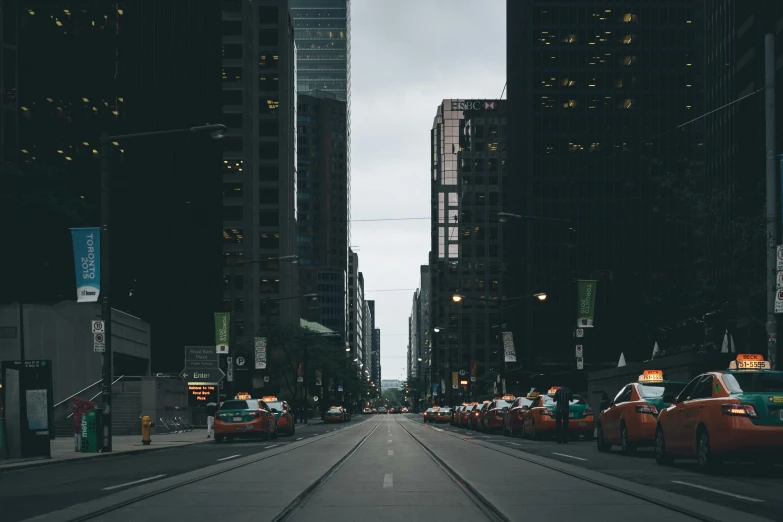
{"x": 647, "y": 408}
{"x": 740, "y": 410}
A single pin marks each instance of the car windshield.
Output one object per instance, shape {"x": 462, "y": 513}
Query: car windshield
{"x": 653, "y": 391}
{"x": 524, "y": 402}
{"x": 754, "y": 382}
{"x": 445, "y": 410}
{"x": 335, "y": 410}
{"x": 502, "y": 404}
{"x": 275, "y": 406}
{"x": 239, "y": 405}
{"x": 549, "y": 400}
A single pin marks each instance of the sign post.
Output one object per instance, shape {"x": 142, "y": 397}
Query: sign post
{"x": 586, "y": 303}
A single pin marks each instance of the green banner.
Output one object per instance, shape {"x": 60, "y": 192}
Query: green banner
{"x": 222, "y": 326}
{"x": 585, "y": 305}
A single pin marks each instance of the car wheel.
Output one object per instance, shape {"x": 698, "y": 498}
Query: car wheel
{"x": 603, "y": 447}
{"x": 708, "y": 461}
{"x": 660, "y": 449}
{"x": 627, "y": 446}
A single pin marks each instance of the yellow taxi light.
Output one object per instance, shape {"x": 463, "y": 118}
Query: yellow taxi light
{"x": 553, "y": 389}
{"x": 509, "y": 397}
{"x": 533, "y": 395}
{"x": 269, "y": 398}
{"x": 750, "y": 361}
{"x": 651, "y": 376}
{"x": 242, "y": 396}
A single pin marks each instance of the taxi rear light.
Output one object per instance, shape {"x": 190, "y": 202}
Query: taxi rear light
{"x": 647, "y": 408}
{"x": 741, "y": 410}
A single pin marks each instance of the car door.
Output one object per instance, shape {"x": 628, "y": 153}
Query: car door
{"x": 528, "y": 416}
{"x": 693, "y": 412}
{"x": 676, "y": 426}
{"x": 610, "y": 423}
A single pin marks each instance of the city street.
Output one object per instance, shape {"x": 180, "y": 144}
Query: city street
{"x": 379, "y": 467}
{"x": 746, "y": 487}
{"x": 34, "y": 491}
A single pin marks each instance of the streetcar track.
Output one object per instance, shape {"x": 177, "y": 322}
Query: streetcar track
{"x": 519, "y": 454}
{"x": 263, "y": 456}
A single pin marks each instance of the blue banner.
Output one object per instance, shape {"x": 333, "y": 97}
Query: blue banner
{"x": 434, "y": 389}
{"x": 87, "y": 261}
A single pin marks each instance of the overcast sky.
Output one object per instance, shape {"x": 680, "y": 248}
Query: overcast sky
{"x": 406, "y": 57}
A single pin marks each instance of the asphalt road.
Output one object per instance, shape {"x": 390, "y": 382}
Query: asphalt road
{"x": 746, "y": 487}
{"x": 33, "y": 491}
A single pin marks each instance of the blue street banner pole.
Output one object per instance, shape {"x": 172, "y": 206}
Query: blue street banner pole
{"x": 87, "y": 262}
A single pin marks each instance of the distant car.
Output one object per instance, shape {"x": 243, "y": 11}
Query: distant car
{"x": 244, "y": 418}
{"x": 366, "y": 411}
{"x": 334, "y": 414}
{"x": 382, "y": 409}
{"x": 405, "y": 410}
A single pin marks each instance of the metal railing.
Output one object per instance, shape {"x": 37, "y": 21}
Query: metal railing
{"x": 118, "y": 379}
{"x": 77, "y": 393}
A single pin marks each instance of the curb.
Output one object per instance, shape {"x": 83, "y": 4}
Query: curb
{"x": 6, "y": 468}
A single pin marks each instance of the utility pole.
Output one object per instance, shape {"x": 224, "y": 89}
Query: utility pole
{"x": 773, "y": 217}
{"x": 105, "y": 292}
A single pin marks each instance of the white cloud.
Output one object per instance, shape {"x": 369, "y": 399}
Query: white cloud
{"x": 407, "y": 56}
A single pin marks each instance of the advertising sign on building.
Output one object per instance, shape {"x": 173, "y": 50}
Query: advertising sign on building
{"x": 87, "y": 260}
{"x": 222, "y": 326}
{"x": 508, "y": 347}
{"x": 260, "y": 346}
{"x": 473, "y": 370}
{"x": 779, "y": 302}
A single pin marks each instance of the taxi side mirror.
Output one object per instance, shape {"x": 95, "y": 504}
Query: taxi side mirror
{"x": 605, "y": 404}
{"x": 669, "y": 398}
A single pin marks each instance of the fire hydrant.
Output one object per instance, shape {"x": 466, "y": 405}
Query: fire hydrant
{"x": 146, "y": 430}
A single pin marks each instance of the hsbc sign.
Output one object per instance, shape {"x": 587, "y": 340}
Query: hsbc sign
{"x": 473, "y": 105}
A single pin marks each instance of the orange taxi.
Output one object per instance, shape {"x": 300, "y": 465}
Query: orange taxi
{"x": 283, "y": 414}
{"x": 464, "y": 415}
{"x": 244, "y": 417}
{"x": 629, "y": 421}
{"x": 495, "y": 414}
{"x": 539, "y": 419}
{"x": 431, "y": 414}
{"x": 474, "y": 419}
{"x": 513, "y": 421}
{"x": 443, "y": 414}
{"x": 723, "y": 415}
{"x": 334, "y": 414}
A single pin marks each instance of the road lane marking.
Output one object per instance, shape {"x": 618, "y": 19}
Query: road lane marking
{"x": 437, "y": 429}
{"x": 391, "y": 452}
{"x": 388, "y": 440}
{"x": 229, "y": 458}
{"x": 118, "y": 486}
{"x": 388, "y": 481}
{"x": 515, "y": 443}
{"x": 569, "y": 456}
{"x": 272, "y": 446}
{"x": 716, "y": 491}
{"x": 300, "y": 438}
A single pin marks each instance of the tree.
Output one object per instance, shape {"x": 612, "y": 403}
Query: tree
{"x": 38, "y": 205}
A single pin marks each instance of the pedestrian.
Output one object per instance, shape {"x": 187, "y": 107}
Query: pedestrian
{"x": 563, "y": 398}
{"x": 211, "y": 411}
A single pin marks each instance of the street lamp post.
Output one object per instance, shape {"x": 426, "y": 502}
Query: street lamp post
{"x": 217, "y": 132}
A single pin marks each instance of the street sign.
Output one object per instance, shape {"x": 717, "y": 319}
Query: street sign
{"x": 580, "y": 332}
{"x": 579, "y": 351}
{"x": 580, "y": 364}
{"x": 209, "y": 376}
{"x": 463, "y": 372}
{"x": 779, "y": 302}
{"x": 98, "y": 326}
{"x": 98, "y": 342}
{"x": 230, "y": 369}
{"x": 779, "y": 281}
{"x": 201, "y": 357}
{"x": 266, "y": 378}
{"x": 780, "y": 257}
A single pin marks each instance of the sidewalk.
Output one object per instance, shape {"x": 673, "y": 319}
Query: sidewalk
{"x": 62, "y": 448}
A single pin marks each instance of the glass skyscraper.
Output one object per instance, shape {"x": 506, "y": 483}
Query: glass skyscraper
{"x": 322, "y": 30}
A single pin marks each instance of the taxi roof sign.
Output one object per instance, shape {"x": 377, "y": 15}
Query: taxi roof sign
{"x": 553, "y": 389}
{"x": 269, "y": 398}
{"x": 651, "y": 376}
{"x": 509, "y": 397}
{"x": 750, "y": 361}
{"x": 242, "y": 396}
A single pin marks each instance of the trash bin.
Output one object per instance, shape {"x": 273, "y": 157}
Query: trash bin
{"x": 92, "y": 430}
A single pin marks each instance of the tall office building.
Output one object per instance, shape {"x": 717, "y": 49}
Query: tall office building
{"x": 369, "y": 335}
{"x": 323, "y": 207}
{"x": 597, "y": 92}
{"x": 9, "y": 116}
{"x": 355, "y": 310}
{"x": 375, "y": 372}
{"x": 259, "y": 164}
{"x": 90, "y": 66}
{"x": 419, "y": 336}
{"x": 466, "y": 257}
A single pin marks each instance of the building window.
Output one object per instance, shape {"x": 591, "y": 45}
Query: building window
{"x": 232, "y": 28}
{"x": 267, "y": 37}
{"x": 267, "y": 173}
{"x": 232, "y": 120}
{"x": 268, "y": 218}
{"x": 233, "y": 213}
{"x": 232, "y": 97}
{"x": 232, "y": 51}
{"x": 269, "y": 240}
{"x": 269, "y": 286}
{"x": 268, "y": 196}
{"x": 232, "y": 190}
{"x": 267, "y": 150}
{"x": 233, "y": 236}
{"x": 267, "y": 128}
{"x": 267, "y": 15}
{"x": 232, "y": 74}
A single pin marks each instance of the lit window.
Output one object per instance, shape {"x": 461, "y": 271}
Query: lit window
{"x": 618, "y": 83}
{"x": 627, "y": 103}
{"x": 628, "y": 17}
{"x": 627, "y": 39}
{"x": 629, "y": 60}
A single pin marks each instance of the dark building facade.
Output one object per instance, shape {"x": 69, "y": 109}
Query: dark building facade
{"x": 466, "y": 257}
{"x": 9, "y": 116}
{"x": 259, "y": 166}
{"x": 322, "y": 234}
{"x": 88, "y": 67}
{"x": 375, "y": 372}
{"x": 596, "y": 92}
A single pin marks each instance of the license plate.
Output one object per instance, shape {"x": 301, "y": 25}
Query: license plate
{"x": 243, "y": 428}
{"x": 570, "y": 415}
{"x": 237, "y": 419}
{"x": 582, "y": 424}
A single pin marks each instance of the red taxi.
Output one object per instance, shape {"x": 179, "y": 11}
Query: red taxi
{"x": 495, "y": 415}
{"x": 629, "y": 421}
{"x": 334, "y": 414}
{"x": 513, "y": 421}
{"x": 727, "y": 414}
{"x": 539, "y": 419}
{"x": 474, "y": 418}
{"x": 431, "y": 414}
{"x": 244, "y": 417}
{"x": 464, "y": 415}
{"x": 443, "y": 414}
{"x": 283, "y": 414}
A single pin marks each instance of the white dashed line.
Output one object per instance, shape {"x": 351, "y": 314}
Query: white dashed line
{"x": 388, "y": 481}
{"x": 391, "y": 452}
{"x": 388, "y": 440}
{"x": 272, "y": 446}
{"x": 437, "y": 429}
{"x": 118, "y": 486}
{"x": 569, "y": 456}
{"x": 229, "y": 458}
{"x": 300, "y": 438}
{"x": 717, "y": 491}
{"x": 515, "y": 444}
